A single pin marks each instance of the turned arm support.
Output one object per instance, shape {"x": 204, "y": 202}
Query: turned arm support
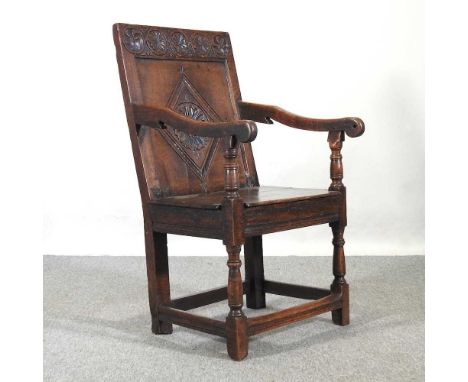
{"x": 160, "y": 118}
{"x": 232, "y": 204}
{"x": 353, "y": 127}
{"x": 336, "y": 128}
{"x": 335, "y": 141}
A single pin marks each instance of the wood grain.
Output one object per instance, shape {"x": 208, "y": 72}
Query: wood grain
{"x": 352, "y": 126}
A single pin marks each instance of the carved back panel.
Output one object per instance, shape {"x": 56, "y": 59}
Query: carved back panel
{"x": 192, "y": 73}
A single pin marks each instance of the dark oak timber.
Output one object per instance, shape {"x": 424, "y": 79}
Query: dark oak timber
{"x": 201, "y": 299}
{"x": 161, "y": 118}
{"x": 254, "y": 273}
{"x": 271, "y": 321}
{"x": 297, "y": 291}
{"x": 190, "y": 133}
{"x": 192, "y": 321}
{"x": 353, "y": 127}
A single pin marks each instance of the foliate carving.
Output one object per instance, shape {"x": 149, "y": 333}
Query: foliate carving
{"x": 175, "y": 43}
{"x": 133, "y": 40}
{"x": 221, "y": 45}
{"x": 197, "y": 152}
{"x": 157, "y": 41}
{"x": 189, "y": 141}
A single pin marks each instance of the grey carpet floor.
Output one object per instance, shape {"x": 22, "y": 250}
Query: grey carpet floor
{"x": 97, "y": 324}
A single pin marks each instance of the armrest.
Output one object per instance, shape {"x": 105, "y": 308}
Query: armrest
{"x": 244, "y": 131}
{"x": 353, "y": 127}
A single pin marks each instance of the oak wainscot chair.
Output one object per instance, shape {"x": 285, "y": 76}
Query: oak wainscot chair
{"x": 191, "y": 134}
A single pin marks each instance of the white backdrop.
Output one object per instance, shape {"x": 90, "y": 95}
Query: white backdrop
{"x": 318, "y": 59}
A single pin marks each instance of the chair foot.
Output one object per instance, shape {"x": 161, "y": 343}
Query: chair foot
{"x": 160, "y": 327}
{"x": 236, "y": 336}
{"x": 341, "y": 316}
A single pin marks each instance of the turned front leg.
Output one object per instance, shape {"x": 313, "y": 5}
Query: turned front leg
{"x": 236, "y": 322}
{"x": 339, "y": 285}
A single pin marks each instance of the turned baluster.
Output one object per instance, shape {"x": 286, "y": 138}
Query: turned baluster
{"x": 335, "y": 141}
{"x": 339, "y": 264}
{"x": 231, "y": 168}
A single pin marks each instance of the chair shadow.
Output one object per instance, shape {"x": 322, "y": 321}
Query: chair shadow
{"x": 136, "y": 330}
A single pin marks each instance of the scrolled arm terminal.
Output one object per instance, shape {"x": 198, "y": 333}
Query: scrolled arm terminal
{"x": 156, "y": 117}
{"x": 352, "y": 126}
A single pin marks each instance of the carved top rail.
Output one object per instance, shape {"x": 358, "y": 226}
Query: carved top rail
{"x": 171, "y": 43}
